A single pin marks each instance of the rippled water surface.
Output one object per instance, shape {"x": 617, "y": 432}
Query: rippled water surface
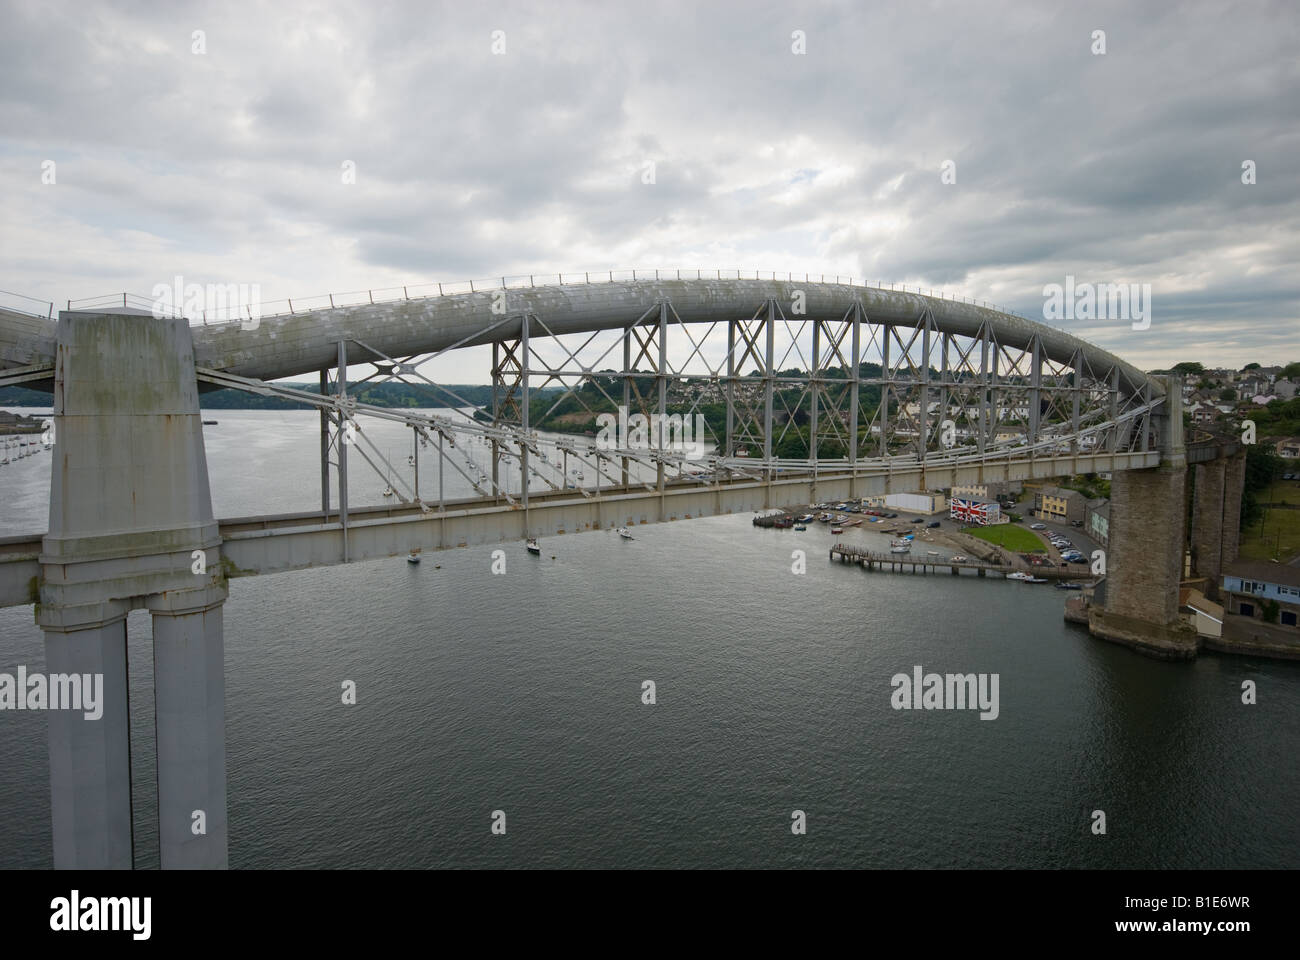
{"x": 522, "y": 693}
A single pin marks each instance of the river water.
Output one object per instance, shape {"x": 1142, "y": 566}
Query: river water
{"x": 522, "y": 693}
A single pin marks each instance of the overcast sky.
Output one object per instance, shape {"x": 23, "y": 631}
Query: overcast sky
{"x": 225, "y": 166}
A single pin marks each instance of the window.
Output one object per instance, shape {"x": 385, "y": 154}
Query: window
{"x": 1288, "y": 618}
{"x": 1246, "y": 609}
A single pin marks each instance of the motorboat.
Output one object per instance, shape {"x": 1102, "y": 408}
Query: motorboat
{"x": 958, "y": 559}
{"x": 800, "y": 526}
{"x": 806, "y": 518}
{"x": 413, "y": 556}
{"x": 837, "y": 529}
{"x": 625, "y": 533}
{"x": 901, "y": 549}
{"x": 531, "y": 546}
{"x": 1025, "y": 577}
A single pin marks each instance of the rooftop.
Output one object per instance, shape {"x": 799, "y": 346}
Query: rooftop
{"x": 1279, "y": 573}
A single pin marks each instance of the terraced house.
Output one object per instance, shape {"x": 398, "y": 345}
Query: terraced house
{"x": 1263, "y": 591}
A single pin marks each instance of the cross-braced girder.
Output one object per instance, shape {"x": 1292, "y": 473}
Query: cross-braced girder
{"x": 770, "y": 391}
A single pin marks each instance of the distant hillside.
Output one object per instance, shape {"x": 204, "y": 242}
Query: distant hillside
{"x": 380, "y": 395}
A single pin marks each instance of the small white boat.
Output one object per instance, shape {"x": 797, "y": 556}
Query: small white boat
{"x": 958, "y": 559}
{"x": 903, "y": 549}
{"x": 932, "y": 553}
{"x": 413, "y": 556}
{"x": 388, "y": 491}
{"x": 531, "y": 546}
{"x": 625, "y": 533}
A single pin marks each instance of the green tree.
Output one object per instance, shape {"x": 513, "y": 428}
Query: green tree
{"x": 1262, "y": 466}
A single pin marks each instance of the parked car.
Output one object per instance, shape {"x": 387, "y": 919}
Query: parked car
{"x": 933, "y": 524}
{"x": 1038, "y": 526}
{"x": 919, "y": 520}
{"x": 1076, "y": 523}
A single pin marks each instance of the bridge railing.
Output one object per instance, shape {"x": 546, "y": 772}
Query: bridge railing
{"x": 18, "y": 303}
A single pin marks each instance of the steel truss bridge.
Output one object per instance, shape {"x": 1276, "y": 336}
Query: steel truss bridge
{"x": 904, "y": 390}
{"x": 808, "y": 390}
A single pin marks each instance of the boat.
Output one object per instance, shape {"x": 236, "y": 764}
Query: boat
{"x": 413, "y": 556}
{"x": 531, "y": 546}
{"x": 900, "y": 549}
{"x": 625, "y": 533}
{"x": 958, "y": 559}
{"x": 800, "y": 526}
{"x": 806, "y": 518}
{"x": 209, "y": 423}
{"x": 1025, "y": 577}
{"x": 932, "y": 553}
{"x": 837, "y": 529}
{"x": 1069, "y": 586}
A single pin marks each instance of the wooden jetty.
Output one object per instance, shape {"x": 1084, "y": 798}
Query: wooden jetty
{"x": 898, "y": 562}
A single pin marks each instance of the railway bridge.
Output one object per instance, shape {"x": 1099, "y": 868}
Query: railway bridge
{"x": 805, "y": 388}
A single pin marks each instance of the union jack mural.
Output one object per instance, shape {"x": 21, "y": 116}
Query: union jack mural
{"x": 978, "y": 512}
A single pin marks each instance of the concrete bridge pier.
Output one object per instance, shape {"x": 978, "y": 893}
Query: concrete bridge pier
{"x": 90, "y": 757}
{"x": 1234, "y": 487}
{"x": 190, "y": 699}
{"x": 1144, "y": 562}
{"x": 131, "y": 527}
{"x": 1208, "y": 509}
{"x": 1216, "y": 518}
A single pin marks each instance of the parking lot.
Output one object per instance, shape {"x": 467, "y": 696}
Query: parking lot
{"x": 1076, "y": 535}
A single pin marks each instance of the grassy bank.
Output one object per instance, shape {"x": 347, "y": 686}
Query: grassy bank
{"x": 1276, "y": 535}
{"x": 1010, "y": 536}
